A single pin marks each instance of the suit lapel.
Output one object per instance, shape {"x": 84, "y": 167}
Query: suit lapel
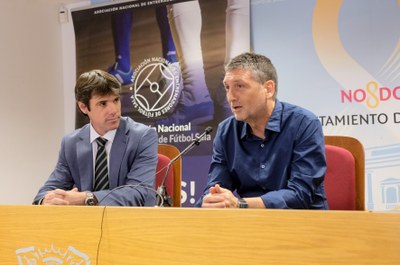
{"x": 85, "y": 159}
{"x": 118, "y": 150}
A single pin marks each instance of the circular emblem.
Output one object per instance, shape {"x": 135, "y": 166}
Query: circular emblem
{"x": 156, "y": 87}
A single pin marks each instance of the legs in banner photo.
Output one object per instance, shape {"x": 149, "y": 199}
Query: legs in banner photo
{"x": 122, "y": 24}
{"x": 121, "y": 29}
{"x": 181, "y": 45}
{"x": 195, "y": 104}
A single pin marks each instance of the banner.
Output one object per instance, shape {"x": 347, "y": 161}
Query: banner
{"x": 169, "y": 56}
{"x": 341, "y": 60}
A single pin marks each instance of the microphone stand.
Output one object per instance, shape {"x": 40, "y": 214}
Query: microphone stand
{"x": 166, "y": 200}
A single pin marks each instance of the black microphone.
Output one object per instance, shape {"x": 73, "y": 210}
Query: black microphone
{"x": 164, "y": 200}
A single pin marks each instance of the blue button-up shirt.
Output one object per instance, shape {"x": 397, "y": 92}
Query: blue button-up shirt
{"x": 286, "y": 169}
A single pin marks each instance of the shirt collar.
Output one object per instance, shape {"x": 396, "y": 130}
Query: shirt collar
{"x": 94, "y": 135}
{"x": 273, "y": 124}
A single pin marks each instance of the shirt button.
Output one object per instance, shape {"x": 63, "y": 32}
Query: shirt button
{"x": 262, "y": 145}
{"x": 263, "y": 166}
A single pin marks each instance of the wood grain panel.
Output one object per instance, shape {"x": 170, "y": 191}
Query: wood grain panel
{"x": 203, "y": 236}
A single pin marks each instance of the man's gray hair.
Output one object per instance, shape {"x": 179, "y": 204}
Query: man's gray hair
{"x": 260, "y": 66}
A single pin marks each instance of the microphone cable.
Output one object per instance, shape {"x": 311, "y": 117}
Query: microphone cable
{"x": 167, "y": 167}
{"x": 128, "y": 185}
{"x": 104, "y": 211}
{"x": 101, "y": 235}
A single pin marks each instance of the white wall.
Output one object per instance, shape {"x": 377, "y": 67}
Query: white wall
{"x": 31, "y": 102}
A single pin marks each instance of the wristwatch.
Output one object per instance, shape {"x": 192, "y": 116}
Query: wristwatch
{"x": 90, "y": 199}
{"x": 242, "y": 203}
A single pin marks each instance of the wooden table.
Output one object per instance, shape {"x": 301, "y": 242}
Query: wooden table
{"x": 123, "y": 235}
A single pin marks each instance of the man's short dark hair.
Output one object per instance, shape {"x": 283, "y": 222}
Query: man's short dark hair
{"x": 95, "y": 82}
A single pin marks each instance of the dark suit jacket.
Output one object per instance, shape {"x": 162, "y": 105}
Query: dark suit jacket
{"x": 133, "y": 161}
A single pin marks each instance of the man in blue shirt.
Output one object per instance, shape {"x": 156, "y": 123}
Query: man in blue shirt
{"x": 271, "y": 154}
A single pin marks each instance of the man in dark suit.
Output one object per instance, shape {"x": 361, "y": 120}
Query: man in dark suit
{"x": 129, "y": 161}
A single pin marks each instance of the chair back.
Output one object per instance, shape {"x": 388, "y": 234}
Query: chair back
{"x": 345, "y": 174}
{"x": 167, "y": 152}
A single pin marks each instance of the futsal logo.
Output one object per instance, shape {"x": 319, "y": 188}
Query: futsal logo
{"x": 156, "y": 87}
{"x": 52, "y": 256}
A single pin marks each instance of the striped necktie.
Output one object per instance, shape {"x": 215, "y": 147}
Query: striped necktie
{"x": 101, "y": 170}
